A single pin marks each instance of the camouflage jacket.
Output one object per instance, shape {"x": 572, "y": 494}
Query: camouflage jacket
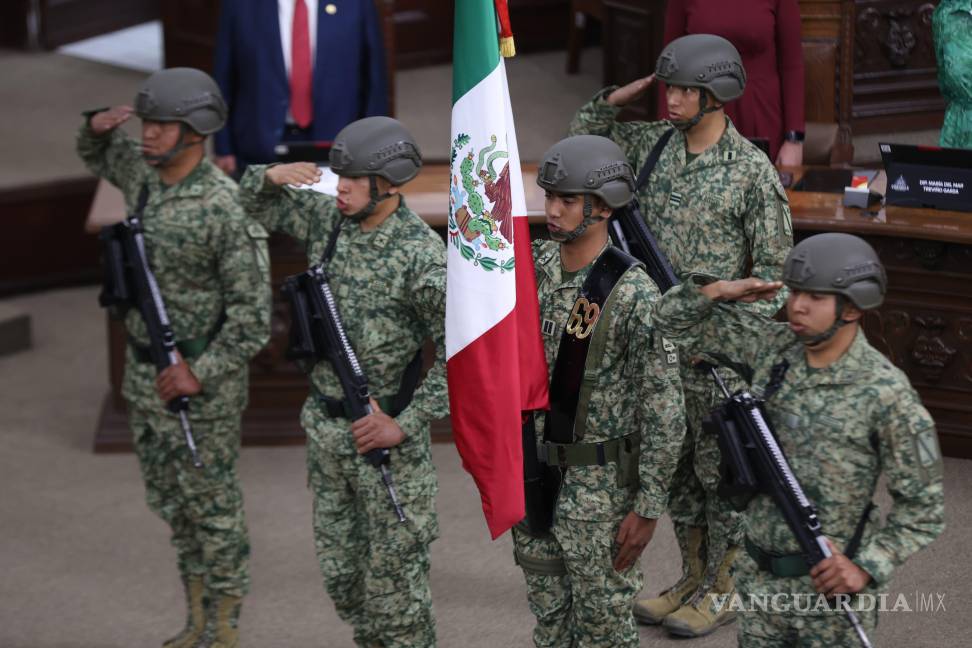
{"x": 211, "y": 265}
{"x": 636, "y": 388}
{"x": 389, "y": 284}
{"x": 714, "y": 216}
{"x": 840, "y": 428}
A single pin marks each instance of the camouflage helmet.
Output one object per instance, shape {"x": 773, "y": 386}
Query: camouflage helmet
{"x": 376, "y": 146}
{"x": 840, "y": 264}
{"x": 184, "y": 95}
{"x": 588, "y": 164}
{"x": 703, "y": 61}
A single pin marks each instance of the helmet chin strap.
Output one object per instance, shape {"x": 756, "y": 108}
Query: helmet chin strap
{"x": 567, "y": 237}
{"x": 376, "y": 198}
{"x": 820, "y": 338}
{"x": 688, "y": 124}
{"x": 165, "y": 158}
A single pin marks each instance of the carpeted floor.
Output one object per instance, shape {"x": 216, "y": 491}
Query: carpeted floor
{"x": 84, "y": 564}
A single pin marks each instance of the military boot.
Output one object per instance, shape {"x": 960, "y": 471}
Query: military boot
{"x": 196, "y": 622}
{"x": 654, "y": 610}
{"x": 224, "y": 622}
{"x": 709, "y": 607}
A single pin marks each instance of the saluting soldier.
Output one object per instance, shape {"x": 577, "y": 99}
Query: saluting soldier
{"x": 212, "y": 269}
{"x": 616, "y": 421}
{"x": 387, "y": 271}
{"x": 844, "y": 415}
{"x": 715, "y": 204}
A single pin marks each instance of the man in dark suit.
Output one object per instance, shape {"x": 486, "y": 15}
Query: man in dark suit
{"x": 295, "y": 70}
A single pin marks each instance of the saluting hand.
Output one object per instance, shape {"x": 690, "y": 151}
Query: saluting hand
{"x": 177, "y": 380}
{"x": 631, "y": 92}
{"x": 742, "y": 290}
{"x": 838, "y": 575}
{"x": 377, "y": 430}
{"x": 107, "y": 120}
{"x": 633, "y": 536}
{"x": 295, "y": 173}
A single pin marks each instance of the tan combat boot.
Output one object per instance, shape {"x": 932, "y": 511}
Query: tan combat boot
{"x": 196, "y": 622}
{"x": 708, "y": 609}
{"x": 654, "y": 610}
{"x": 225, "y": 633}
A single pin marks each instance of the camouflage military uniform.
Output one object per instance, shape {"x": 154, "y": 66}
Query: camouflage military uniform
{"x": 635, "y": 390}
{"x": 724, "y": 214}
{"x": 212, "y": 269}
{"x": 390, "y": 287}
{"x": 840, "y": 427}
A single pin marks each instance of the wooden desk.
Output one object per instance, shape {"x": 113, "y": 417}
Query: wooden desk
{"x": 924, "y": 326}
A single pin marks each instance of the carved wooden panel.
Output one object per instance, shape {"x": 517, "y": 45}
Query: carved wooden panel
{"x": 633, "y": 34}
{"x": 895, "y": 79}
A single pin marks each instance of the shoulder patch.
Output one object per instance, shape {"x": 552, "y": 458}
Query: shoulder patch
{"x": 927, "y": 454}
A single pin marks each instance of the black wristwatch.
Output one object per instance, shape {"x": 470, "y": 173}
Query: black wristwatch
{"x": 794, "y": 136}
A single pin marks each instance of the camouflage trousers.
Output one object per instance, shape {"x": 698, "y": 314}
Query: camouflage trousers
{"x": 762, "y": 629}
{"x": 572, "y": 589}
{"x": 693, "y": 500}
{"x": 202, "y": 506}
{"x": 375, "y": 569}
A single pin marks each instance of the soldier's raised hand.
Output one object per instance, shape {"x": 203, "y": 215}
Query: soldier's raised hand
{"x": 295, "y": 173}
{"x": 631, "y": 92}
{"x": 743, "y": 290}
{"x": 107, "y": 120}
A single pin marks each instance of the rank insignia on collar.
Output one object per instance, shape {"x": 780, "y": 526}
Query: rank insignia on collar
{"x": 675, "y": 199}
{"x": 548, "y": 327}
{"x": 729, "y": 156}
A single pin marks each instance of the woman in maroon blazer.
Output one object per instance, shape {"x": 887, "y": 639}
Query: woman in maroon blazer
{"x": 767, "y": 35}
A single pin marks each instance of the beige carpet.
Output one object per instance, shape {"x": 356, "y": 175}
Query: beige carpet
{"x": 84, "y": 564}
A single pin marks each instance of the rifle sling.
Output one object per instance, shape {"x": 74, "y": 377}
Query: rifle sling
{"x": 576, "y": 366}
{"x": 652, "y": 160}
{"x": 391, "y": 405}
{"x": 794, "y": 564}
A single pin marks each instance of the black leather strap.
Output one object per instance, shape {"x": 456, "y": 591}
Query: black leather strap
{"x": 652, "y": 160}
{"x": 568, "y": 371}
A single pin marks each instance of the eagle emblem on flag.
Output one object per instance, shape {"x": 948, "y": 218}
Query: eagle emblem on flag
{"x": 481, "y": 205}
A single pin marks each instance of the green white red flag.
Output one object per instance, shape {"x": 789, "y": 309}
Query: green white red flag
{"x": 495, "y": 361}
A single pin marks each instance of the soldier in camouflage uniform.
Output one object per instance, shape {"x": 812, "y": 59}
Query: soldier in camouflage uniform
{"x": 843, "y": 415}
{"x": 212, "y": 269}
{"x": 582, "y": 576}
{"x": 716, "y": 206}
{"x": 387, "y": 271}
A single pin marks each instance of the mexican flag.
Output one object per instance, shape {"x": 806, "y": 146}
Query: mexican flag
{"x": 495, "y": 362}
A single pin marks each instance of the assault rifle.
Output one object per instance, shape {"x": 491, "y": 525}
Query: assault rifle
{"x": 630, "y": 233}
{"x": 317, "y": 333}
{"x": 129, "y": 282}
{"x": 746, "y": 417}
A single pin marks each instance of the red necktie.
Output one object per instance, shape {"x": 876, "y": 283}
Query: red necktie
{"x": 300, "y": 67}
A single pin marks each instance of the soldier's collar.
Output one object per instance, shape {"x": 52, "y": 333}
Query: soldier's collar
{"x": 577, "y": 277}
{"x": 847, "y": 369}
